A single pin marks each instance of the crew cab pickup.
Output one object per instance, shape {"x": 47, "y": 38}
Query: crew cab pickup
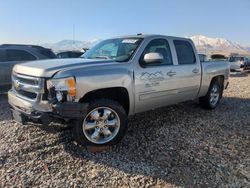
{"x": 116, "y": 78}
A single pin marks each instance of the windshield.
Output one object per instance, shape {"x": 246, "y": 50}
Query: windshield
{"x": 120, "y": 49}
{"x": 234, "y": 59}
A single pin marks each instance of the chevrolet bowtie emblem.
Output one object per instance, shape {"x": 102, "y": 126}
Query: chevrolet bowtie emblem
{"x": 17, "y": 84}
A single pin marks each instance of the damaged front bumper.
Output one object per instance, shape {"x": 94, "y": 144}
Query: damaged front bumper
{"x": 43, "y": 112}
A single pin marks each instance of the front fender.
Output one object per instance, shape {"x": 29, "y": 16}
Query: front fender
{"x": 102, "y": 77}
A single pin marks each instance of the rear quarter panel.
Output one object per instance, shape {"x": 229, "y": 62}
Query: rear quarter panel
{"x": 210, "y": 70}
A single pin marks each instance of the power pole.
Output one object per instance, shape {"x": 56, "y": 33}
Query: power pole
{"x": 73, "y": 45}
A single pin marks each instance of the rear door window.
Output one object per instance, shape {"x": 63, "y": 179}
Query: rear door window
{"x": 185, "y": 52}
{"x": 19, "y": 55}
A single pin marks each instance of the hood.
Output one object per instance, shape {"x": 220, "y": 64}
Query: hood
{"x": 47, "y": 68}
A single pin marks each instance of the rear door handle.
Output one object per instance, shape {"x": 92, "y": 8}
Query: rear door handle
{"x": 195, "y": 71}
{"x": 171, "y": 73}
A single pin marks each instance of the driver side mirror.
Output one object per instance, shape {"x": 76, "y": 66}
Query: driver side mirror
{"x": 152, "y": 58}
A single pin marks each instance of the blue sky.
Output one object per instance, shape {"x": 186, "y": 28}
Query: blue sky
{"x": 45, "y": 21}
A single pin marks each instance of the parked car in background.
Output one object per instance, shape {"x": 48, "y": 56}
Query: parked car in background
{"x": 116, "y": 78}
{"x": 69, "y": 54}
{"x": 11, "y": 54}
{"x": 244, "y": 63}
{"x": 218, "y": 57}
{"x": 239, "y": 62}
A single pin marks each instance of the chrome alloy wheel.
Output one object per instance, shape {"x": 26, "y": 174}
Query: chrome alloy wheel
{"x": 101, "y": 125}
{"x": 214, "y": 95}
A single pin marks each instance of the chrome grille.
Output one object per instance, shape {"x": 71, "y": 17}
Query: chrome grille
{"x": 27, "y": 87}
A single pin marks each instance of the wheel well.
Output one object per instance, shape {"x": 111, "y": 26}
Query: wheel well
{"x": 118, "y": 94}
{"x": 221, "y": 80}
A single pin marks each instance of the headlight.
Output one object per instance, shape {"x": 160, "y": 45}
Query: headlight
{"x": 63, "y": 84}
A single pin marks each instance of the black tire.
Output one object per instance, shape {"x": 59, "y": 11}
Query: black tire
{"x": 78, "y": 132}
{"x": 205, "y": 102}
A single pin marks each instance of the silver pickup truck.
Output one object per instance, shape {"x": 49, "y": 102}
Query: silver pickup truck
{"x": 116, "y": 78}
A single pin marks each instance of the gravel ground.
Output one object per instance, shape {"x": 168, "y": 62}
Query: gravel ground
{"x": 181, "y": 145}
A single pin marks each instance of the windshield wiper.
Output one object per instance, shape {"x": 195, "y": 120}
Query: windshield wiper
{"x": 120, "y": 60}
{"x": 100, "y": 57}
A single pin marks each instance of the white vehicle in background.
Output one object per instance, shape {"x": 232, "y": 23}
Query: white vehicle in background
{"x": 238, "y": 62}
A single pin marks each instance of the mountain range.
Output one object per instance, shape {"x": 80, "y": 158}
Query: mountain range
{"x": 210, "y": 45}
{"x": 203, "y": 44}
{"x": 65, "y": 45}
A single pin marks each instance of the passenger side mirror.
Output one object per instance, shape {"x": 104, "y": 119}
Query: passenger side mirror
{"x": 153, "y": 57}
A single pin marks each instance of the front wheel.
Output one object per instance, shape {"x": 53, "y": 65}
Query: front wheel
{"x": 104, "y": 124}
{"x": 213, "y": 96}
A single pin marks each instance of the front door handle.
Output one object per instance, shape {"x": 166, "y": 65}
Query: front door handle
{"x": 195, "y": 70}
{"x": 171, "y": 73}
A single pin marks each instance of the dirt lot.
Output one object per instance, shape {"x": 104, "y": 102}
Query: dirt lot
{"x": 181, "y": 145}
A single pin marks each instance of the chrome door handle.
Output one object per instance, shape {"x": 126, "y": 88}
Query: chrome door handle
{"x": 195, "y": 71}
{"x": 171, "y": 73}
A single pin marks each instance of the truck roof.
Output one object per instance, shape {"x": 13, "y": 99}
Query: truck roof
{"x": 140, "y": 35}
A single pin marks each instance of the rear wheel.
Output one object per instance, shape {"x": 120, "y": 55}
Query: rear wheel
{"x": 213, "y": 96}
{"x": 104, "y": 124}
